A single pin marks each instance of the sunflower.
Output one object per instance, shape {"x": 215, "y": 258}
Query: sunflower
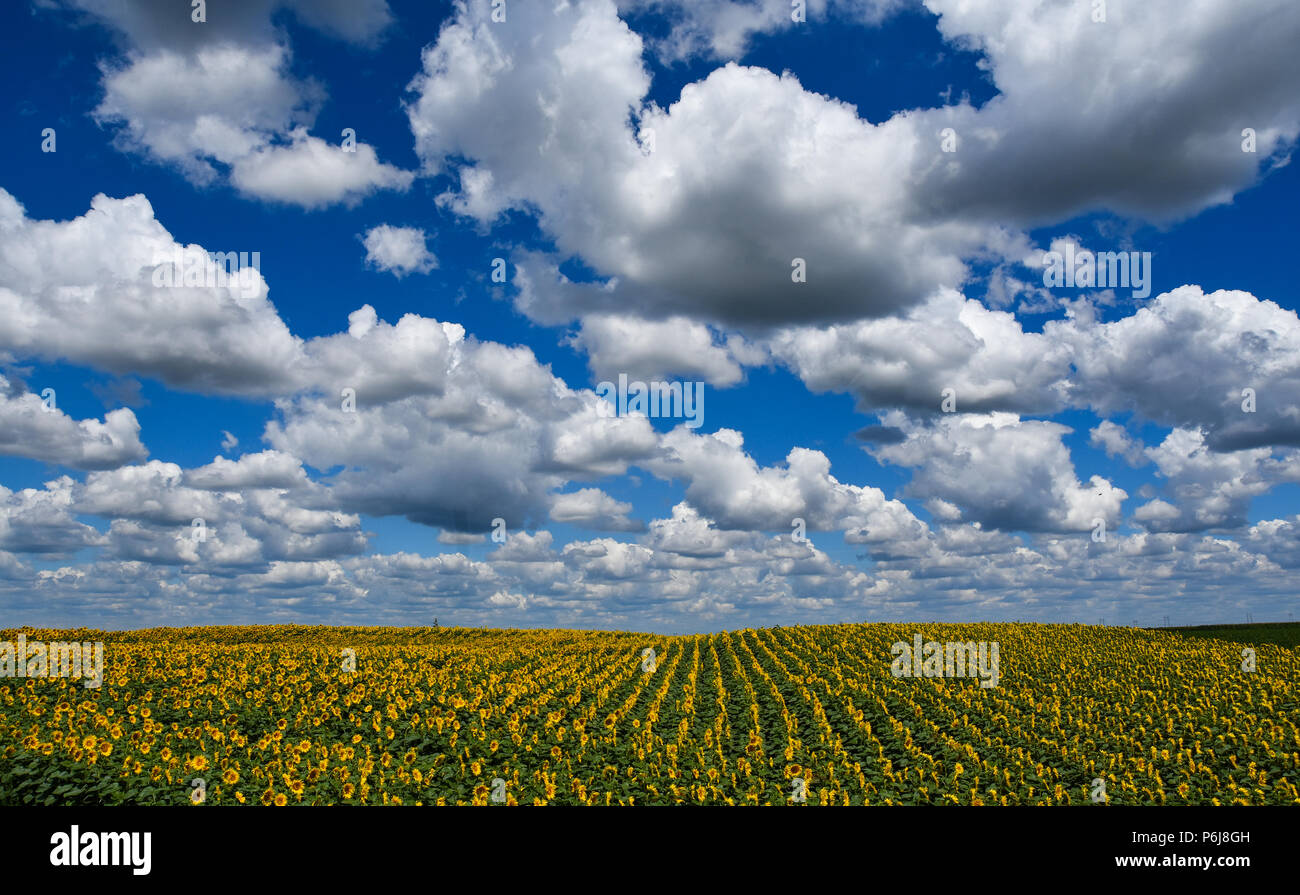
{"x": 348, "y": 790}
{"x": 230, "y": 777}
{"x": 281, "y": 800}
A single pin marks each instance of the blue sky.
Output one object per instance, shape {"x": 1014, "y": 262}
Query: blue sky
{"x": 920, "y": 158}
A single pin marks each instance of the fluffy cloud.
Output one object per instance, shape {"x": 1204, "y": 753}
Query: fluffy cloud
{"x": 595, "y": 509}
{"x": 85, "y": 291}
{"x": 658, "y": 349}
{"x": 1116, "y": 442}
{"x": 1211, "y": 489}
{"x": 747, "y": 175}
{"x": 428, "y": 397}
{"x": 43, "y": 521}
{"x": 268, "y": 469}
{"x": 28, "y": 428}
{"x": 1001, "y": 471}
{"x": 1094, "y": 115}
{"x": 726, "y": 484}
{"x": 157, "y": 518}
{"x": 1279, "y": 539}
{"x": 472, "y": 409}
{"x": 311, "y": 173}
{"x": 690, "y": 217}
{"x": 448, "y": 431}
{"x": 949, "y": 342}
{"x": 687, "y": 574}
{"x": 103, "y": 291}
{"x": 724, "y": 28}
{"x": 244, "y": 98}
{"x": 1186, "y": 359}
{"x": 219, "y": 96}
{"x": 153, "y": 24}
{"x": 400, "y": 250}
{"x": 700, "y": 209}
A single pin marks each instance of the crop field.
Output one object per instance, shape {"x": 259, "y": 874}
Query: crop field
{"x": 796, "y": 716}
{"x": 1282, "y": 634}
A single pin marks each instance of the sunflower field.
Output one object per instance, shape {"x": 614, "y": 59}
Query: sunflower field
{"x": 798, "y": 716}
